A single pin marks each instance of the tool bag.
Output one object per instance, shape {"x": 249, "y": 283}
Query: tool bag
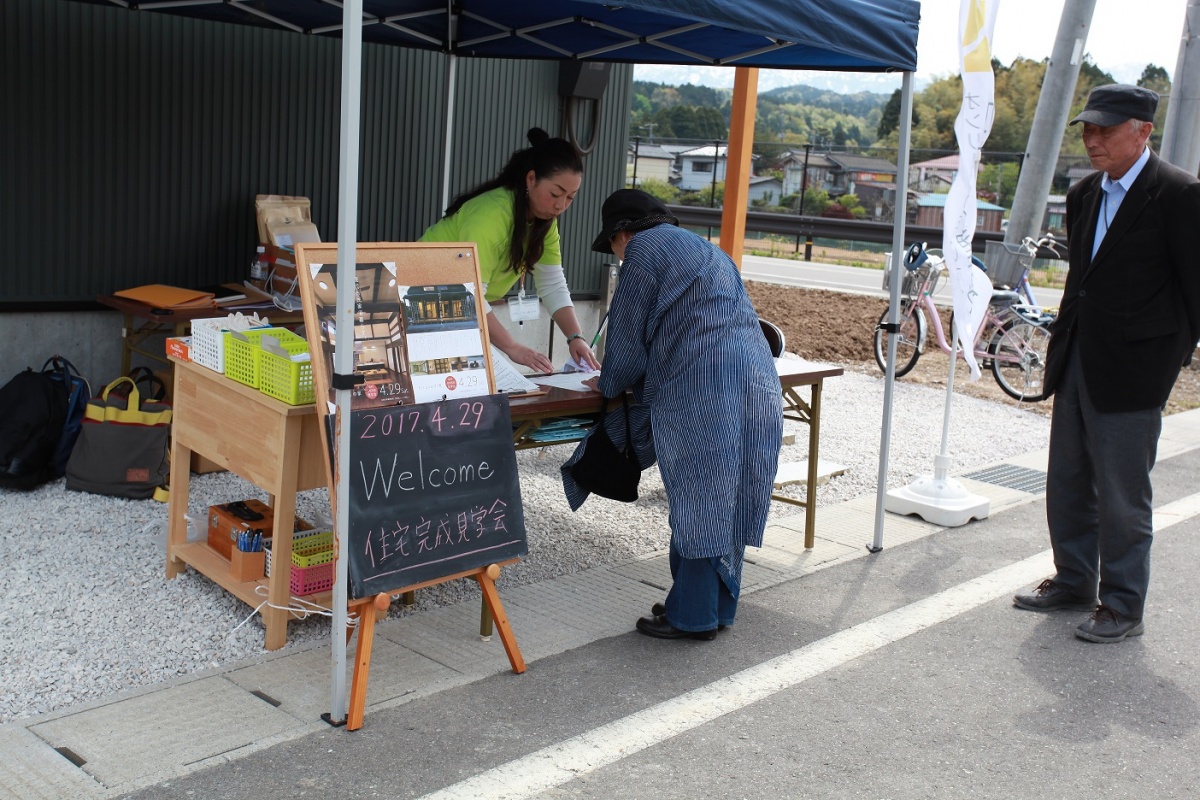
{"x": 124, "y": 444}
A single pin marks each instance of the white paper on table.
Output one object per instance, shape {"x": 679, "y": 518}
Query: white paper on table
{"x": 508, "y": 379}
{"x": 566, "y": 380}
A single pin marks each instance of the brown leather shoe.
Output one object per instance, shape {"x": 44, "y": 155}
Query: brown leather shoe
{"x": 1051, "y": 596}
{"x": 1108, "y": 627}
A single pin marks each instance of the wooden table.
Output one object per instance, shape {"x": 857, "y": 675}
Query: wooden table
{"x": 143, "y": 321}
{"x": 530, "y": 413}
{"x": 275, "y": 446}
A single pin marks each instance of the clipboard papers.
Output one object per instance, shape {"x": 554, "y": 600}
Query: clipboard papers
{"x": 508, "y": 379}
{"x": 161, "y": 296}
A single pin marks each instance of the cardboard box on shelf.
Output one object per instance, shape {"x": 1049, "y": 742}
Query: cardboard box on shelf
{"x": 284, "y": 220}
{"x": 180, "y": 347}
{"x": 226, "y": 521}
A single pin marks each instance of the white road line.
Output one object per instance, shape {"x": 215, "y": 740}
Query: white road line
{"x": 564, "y": 761}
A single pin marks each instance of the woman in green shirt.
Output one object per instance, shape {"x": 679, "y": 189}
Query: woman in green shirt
{"x": 512, "y": 219}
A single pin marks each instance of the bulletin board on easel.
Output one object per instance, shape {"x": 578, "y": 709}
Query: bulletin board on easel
{"x": 432, "y": 487}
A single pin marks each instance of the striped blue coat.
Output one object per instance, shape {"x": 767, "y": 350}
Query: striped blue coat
{"x": 684, "y": 336}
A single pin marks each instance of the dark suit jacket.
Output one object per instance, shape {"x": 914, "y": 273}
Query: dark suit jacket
{"x": 1133, "y": 312}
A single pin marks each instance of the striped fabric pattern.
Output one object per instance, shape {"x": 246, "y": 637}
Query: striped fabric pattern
{"x": 685, "y": 338}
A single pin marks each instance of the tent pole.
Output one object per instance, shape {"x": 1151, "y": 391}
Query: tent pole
{"x": 451, "y": 72}
{"x": 343, "y": 357}
{"x": 737, "y": 162}
{"x": 897, "y": 277}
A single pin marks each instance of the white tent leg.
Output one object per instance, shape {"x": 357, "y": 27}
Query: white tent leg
{"x": 451, "y": 73}
{"x": 897, "y": 277}
{"x": 343, "y": 357}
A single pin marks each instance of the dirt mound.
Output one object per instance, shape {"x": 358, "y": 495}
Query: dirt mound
{"x": 840, "y": 328}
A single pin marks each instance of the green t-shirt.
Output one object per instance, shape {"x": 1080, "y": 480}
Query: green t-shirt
{"x": 487, "y": 220}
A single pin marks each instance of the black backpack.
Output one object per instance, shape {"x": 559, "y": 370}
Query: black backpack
{"x": 33, "y": 411}
{"x": 78, "y": 394}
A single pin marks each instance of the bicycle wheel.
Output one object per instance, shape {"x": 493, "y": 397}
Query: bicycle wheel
{"x": 1019, "y": 360}
{"x": 909, "y": 342}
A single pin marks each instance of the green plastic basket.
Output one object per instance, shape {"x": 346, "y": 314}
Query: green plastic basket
{"x": 282, "y": 378}
{"x": 241, "y": 355}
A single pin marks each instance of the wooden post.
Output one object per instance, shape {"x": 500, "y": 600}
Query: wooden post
{"x": 737, "y": 162}
{"x": 487, "y": 582}
{"x": 362, "y": 658}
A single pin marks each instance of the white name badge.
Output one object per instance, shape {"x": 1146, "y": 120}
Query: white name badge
{"x": 523, "y": 308}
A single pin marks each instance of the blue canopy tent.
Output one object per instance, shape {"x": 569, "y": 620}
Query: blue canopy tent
{"x": 838, "y": 35}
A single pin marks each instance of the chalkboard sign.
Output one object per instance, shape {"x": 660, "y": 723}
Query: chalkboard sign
{"x": 433, "y": 490}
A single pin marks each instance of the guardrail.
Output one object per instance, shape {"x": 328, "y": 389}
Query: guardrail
{"x": 855, "y": 230}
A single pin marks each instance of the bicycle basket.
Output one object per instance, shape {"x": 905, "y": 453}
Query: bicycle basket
{"x": 1006, "y": 263}
{"x": 912, "y": 279}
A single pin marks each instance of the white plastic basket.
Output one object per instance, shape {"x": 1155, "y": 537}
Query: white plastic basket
{"x": 208, "y": 342}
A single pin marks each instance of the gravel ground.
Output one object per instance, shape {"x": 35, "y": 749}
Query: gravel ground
{"x": 87, "y": 611}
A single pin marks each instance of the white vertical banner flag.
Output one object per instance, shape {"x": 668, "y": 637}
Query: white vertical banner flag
{"x": 969, "y": 286}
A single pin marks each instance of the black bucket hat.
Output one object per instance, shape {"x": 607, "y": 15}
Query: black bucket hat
{"x": 1113, "y": 104}
{"x": 630, "y": 210}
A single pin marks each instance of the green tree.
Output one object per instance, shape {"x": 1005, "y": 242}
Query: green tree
{"x": 890, "y": 120}
{"x": 659, "y": 189}
{"x": 815, "y": 201}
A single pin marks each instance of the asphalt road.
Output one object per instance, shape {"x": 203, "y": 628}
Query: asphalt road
{"x": 906, "y": 674}
{"x": 857, "y": 280}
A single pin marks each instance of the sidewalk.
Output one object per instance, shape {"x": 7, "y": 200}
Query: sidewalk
{"x": 111, "y": 747}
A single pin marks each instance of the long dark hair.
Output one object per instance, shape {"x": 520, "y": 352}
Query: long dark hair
{"x": 546, "y": 156}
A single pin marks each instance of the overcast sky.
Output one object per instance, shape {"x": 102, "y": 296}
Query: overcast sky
{"x": 1124, "y": 37}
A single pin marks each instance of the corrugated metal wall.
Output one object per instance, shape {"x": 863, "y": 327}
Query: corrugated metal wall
{"x": 133, "y": 145}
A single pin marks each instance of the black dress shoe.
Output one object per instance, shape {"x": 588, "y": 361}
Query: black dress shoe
{"x": 659, "y": 610}
{"x": 1051, "y": 596}
{"x": 658, "y": 627}
{"x": 1107, "y": 627}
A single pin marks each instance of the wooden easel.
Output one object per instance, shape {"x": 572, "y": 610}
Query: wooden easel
{"x": 366, "y": 607}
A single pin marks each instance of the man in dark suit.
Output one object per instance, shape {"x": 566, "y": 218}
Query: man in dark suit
{"x": 1129, "y": 320}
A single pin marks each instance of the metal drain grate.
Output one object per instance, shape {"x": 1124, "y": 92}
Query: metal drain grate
{"x": 1011, "y": 476}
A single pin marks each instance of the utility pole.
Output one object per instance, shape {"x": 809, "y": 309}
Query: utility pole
{"x": 1182, "y": 127}
{"x": 712, "y": 193}
{"x": 804, "y": 178}
{"x": 1049, "y": 122}
{"x": 649, "y": 127}
{"x": 637, "y": 141}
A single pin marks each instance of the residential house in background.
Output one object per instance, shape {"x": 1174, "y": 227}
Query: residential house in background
{"x": 793, "y": 165}
{"x": 1078, "y": 173}
{"x": 872, "y": 180}
{"x": 1055, "y": 221}
{"x": 934, "y": 175}
{"x": 698, "y": 165}
{"x": 649, "y": 161}
{"x": 764, "y": 189}
{"x": 931, "y": 211}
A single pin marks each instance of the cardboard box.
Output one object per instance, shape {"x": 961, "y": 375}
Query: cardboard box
{"x": 226, "y": 521}
{"x": 202, "y": 466}
{"x": 180, "y": 347}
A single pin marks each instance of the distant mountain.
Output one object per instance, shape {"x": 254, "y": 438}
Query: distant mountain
{"x": 768, "y": 79}
{"x": 858, "y": 104}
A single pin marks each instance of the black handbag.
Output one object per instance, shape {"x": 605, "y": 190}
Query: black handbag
{"x": 605, "y": 470}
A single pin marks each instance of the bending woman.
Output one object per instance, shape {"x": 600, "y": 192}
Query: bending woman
{"x": 513, "y": 221}
{"x": 685, "y": 338}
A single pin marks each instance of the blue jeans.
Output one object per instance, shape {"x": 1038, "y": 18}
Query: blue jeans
{"x": 699, "y": 600}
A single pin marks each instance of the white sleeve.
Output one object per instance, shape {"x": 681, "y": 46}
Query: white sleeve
{"x": 551, "y": 283}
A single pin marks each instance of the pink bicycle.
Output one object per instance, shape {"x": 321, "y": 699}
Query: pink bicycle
{"x": 1011, "y": 341}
